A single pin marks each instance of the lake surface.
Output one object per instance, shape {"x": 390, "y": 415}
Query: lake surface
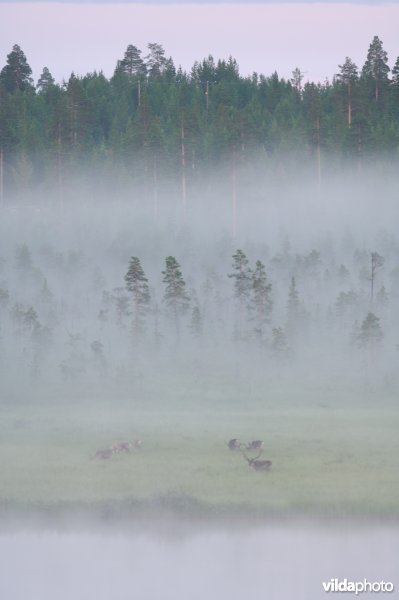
{"x": 175, "y": 562}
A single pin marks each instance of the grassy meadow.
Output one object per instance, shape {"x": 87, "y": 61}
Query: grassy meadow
{"x": 334, "y": 451}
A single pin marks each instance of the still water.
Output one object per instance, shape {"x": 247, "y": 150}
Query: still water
{"x": 264, "y": 562}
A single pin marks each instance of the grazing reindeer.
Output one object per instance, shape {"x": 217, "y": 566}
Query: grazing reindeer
{"x": 234, "y": 444}
{"x": 126, "y": 446}
{"x": 103, "y": 454}
{"x": 121, "y": 447}
{"x": 255, "y": 445}
{"x": 257, "y": 465}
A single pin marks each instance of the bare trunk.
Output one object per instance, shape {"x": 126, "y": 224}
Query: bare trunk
{"x": 1, "y": 175}
{"x": 155, "y": 187}
{"x": 349, "y": 105}
{"x": 59, "y": 169}
{"x": 318, "y": 150}
{"x": 183, "y": 173}
{"x": 234, "y": 197}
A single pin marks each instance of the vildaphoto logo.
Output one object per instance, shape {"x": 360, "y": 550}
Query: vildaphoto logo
{"x": 358, "y": 587}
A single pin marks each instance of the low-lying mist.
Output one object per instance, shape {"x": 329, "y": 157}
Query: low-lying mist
{"x": 292, "y": 278}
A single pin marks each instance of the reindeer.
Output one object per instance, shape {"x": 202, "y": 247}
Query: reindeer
{"x": 126, "y": 446}
{"x": 255, "y": 445}
{"x": 121, "y": 447}
{"x": 257, "y": 465}
{"x": 234, "y": 444}
{"x": 103, "y": 454}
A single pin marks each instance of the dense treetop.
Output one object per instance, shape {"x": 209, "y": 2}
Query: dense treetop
{"x": 151, "y": 118}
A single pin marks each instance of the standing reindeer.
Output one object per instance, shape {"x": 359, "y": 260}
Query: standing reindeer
{"x": 257, "y": 465}
{"x": 234, "y": 444}
{"x": 255, "y": 445}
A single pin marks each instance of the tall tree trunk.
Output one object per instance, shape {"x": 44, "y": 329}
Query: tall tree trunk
{"x": 183, "y": 172}
{"x": 234, "y": 197}
{"x": 318, "y": 151}
{"x": 1, "y": 175}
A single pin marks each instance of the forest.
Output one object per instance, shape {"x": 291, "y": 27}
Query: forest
{"x": 155, "y": 127}
{"x": 203, "y": 183}
{"x": 190, "y": 258}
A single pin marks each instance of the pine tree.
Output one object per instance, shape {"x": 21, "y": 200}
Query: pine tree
{"x": 242, "y": 276}
{"x": 370, "y": 332}
{"x": 132, "y": 64}
{"x": 175, "y": 297}
{"x": 243, "y": 284}
{"x": 376, "y": 66}
{"x": 262, "y": 303}
{"x": 377, "y": 262}
{"x": 46, "y": 80}
{"x": 137, "y": 285}
{"x": 293, "y": 305}
{"x": 348, "y": 76}
{"x": 395, "y": 73}
{"x": 279, "y": 345}
{"x": 296, "y": 313}
{"x": 23, "y": 258}
{"x": 16, "y": 75}
{"x": 155, "y": 60}
{"x": 196, "y": 323}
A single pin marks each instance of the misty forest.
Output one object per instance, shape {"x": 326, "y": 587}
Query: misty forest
{"x": 189, "y": 259}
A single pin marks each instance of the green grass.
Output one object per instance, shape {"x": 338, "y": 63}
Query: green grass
{"x": 338, "y": 456}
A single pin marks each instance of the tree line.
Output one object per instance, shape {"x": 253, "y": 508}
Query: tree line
{"x": 49, "y": 328}
{"x": 151, "y": 119}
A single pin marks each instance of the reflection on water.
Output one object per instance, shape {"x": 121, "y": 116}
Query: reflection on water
{"x": 268, "y": 562}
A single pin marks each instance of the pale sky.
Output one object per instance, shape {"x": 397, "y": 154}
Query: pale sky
{"x": 82, "y": 38}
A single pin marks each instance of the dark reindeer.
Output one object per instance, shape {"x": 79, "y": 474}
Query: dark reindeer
{"x": 255, "y": 445}
{"x": 257, "y": 465}
{"x": 234, "y": 444}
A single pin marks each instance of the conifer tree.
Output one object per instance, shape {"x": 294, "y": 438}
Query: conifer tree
{"x": 371, "y": 333}
{"x": 243, "y": 285}
{"x": 196, "y": 323}
{"x": 348, "y": 76}
{"x": 279, "y": 345}
{"x": 132, "y": 63}
{"x": 155, "y": 60}
{"x": 395, "y": 73}
{"x": 137, "y": 285}
{"x": 377, "y": 262}
{"x": 175, "y": 297}
{"x": 261, "y": 303}
{"x": 376, "y": 66}
{"x": 16, "y": 75}
{"x": 46, "y": 80}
